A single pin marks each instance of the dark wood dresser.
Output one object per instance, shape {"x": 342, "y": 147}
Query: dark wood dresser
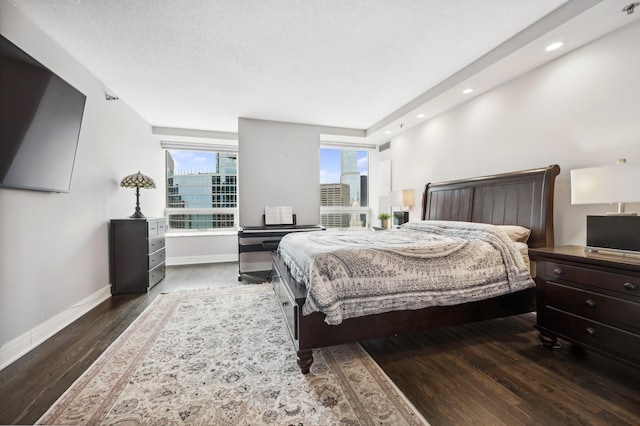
{"x": 591, "y": 299}
{"x": 137, "y": 254}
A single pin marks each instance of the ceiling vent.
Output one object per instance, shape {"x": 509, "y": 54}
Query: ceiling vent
{"x": 385, "y": 146}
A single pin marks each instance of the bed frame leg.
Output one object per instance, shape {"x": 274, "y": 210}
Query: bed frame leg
{"x": 304, "y": 360}
{"x": 548, "y": 340}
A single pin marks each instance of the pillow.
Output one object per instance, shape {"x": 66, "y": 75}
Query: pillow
{"x": 516, "y": 233}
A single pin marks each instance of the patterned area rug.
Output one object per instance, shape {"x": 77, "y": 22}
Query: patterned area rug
{"x": 224, "y": 357}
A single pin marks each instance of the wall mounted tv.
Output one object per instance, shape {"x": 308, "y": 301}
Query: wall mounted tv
{"x": 40, "y": 118}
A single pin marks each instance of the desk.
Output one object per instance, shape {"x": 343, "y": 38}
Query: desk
{"x": 266, "y": 238}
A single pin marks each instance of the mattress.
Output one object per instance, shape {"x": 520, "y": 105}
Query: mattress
{"x": 423, "y": 264}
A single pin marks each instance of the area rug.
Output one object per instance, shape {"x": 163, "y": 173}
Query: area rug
{"x": 224, "y": 356}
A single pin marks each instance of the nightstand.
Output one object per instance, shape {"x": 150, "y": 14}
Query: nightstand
{"x": 591, "y": 299}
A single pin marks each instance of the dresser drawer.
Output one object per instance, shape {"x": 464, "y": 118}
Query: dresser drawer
{"x": 156, "y": 258}
{"x": 152, "y": 228}
{"x": 162, "y": 226}
{"x": 593, "y": 333}
{"x": 627, "y": 285}
{"x": 156, "y": 243}
{"x": 611, "y": 310}
{"x": 289, "y": 308}
{"x": 156, "y": 275}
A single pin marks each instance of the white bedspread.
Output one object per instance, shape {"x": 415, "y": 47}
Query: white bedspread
{"x": 429, "y": 263}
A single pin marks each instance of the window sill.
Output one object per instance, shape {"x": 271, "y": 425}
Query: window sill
{"x": 181, "y": 234}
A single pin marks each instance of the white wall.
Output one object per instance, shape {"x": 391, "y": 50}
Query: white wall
{"x": 54, "y": 247}
{"x": 202, "y": 248}
{"x": 278, "y": 165}
{"x": 580, "y": 110}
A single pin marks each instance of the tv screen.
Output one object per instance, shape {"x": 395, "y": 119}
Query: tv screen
{"x": 40, "y": 118}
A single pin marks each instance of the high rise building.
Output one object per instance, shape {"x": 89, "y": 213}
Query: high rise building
{"x": 350, "y": 175}
{"x": 335, "y": 195}
{"x": 227, "y": 163}
{"x": 364, "y": 193}
{"x": 350, "y": 192}
{"x": 207, "y": 190}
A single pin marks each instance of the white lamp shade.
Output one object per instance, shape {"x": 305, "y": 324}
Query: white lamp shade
{"x": 615, "y": 183}
{"x": 403, "y": 198}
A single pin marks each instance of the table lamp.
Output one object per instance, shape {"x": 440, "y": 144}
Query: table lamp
{"x": 610, "y": 184}
{"x": 137, "y": 181}
{"x": 404, "y": 198}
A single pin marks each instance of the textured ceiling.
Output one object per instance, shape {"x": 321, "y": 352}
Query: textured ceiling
{"x": 201, "y": 64}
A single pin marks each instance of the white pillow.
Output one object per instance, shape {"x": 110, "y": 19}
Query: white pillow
{"x": 516, "y": 233}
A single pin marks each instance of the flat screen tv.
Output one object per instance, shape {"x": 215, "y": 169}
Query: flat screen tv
{"x": 40, "y": 118}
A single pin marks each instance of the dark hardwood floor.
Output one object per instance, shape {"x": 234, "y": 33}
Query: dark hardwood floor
{"x": 495, "y": 372}
{"x": 488, "y": 373}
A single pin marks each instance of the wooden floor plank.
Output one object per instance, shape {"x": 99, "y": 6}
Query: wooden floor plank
{"x": 500, "y": 364}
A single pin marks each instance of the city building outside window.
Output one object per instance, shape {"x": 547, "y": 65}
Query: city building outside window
{"x": 202, "y": 190}
{"x": 344, "y": 188}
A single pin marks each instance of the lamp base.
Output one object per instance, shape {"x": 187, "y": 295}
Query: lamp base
{"x": 138, "y": 214}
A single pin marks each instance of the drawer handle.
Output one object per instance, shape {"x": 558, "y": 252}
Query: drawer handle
{"x": 630, "y": 286}
{"x": 558, "y": 271}
{"x": 590, "y": 303}
{"x": 590, "y": 331}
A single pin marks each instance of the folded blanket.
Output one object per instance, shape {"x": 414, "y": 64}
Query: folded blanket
{"x": 429, "y": 263}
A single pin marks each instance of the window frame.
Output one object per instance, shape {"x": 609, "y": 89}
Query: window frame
{"x": 169, "y": 211}
{"x": 366, "y": 210}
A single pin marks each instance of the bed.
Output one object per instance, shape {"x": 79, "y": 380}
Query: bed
{"x": 522, "y": 198}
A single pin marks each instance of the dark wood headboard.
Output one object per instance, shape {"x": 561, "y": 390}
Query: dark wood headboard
{"x": 522, "y": 198}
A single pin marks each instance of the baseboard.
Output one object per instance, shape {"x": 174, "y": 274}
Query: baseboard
{"x": 194, "y": 260}
{"x": 248, "y": 267}
{"x": 14, "y": 349}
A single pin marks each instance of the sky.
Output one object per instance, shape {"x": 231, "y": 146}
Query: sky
{"x": 205, "y": 162}
{"x": 186, "y": 162}
{"x": 330, "y": 165}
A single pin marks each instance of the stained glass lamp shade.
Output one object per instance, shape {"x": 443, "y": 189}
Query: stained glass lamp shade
{"x": 137, "y": 181}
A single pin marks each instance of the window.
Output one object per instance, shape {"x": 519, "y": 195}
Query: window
{"x": 344, "y": 188}
{"x": 202, "y": 189}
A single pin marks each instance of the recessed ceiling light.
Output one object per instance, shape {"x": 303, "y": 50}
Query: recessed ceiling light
{"x": 554, "y": 46}
{"x": 388, "y": 132}
{"x": 420, "y": 116}
{"x": 467, "y": 91}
